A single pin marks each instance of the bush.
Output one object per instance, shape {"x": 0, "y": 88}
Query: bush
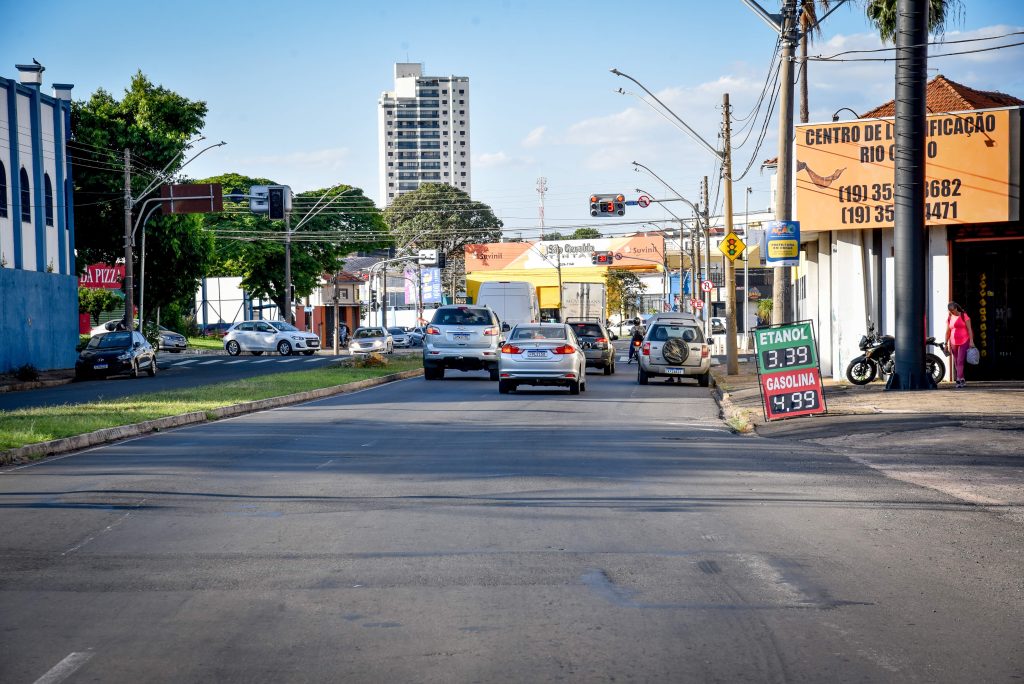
{"x": 27, "y": 373}
{"x": 82, "y": 341}
{"x": 374, "y": 360}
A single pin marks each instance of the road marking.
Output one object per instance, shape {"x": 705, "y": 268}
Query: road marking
{"x": 65, "y": 668}
{"x": 228, "y": 363}
{"x": 288, "y": 360}
{"x": 207, "y": 363}
{"x": 263, "y": 361}
{"x": 313, "y": 360}
{"x": 183, "y": 363}
{"x": 324, "y": 465}
{"x": 104, "y": 530}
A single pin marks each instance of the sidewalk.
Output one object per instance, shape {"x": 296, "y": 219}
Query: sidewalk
{"x": 966, "y": 443}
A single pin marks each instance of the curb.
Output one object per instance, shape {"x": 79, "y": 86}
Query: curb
{"x": 39, "y": 384}
{"x": 728, "y": 412}
{"x": 113, "y": 434}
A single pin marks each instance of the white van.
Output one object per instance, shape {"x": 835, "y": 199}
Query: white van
{"x": 515, "y": 301}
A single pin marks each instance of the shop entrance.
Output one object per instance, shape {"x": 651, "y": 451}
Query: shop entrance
{"x": 988, "y": 281}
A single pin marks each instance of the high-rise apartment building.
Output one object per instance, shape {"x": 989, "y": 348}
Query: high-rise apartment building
{"x": 424, "y": 132}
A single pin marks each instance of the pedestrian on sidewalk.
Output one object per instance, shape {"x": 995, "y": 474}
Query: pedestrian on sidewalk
{"x": 959, "y": 338}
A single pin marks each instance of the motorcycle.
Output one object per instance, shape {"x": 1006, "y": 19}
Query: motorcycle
{"x": 879, "y": 358}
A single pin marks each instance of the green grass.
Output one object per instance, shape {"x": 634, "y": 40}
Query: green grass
{"x": 205, "y": 343}
{"x": 31, "y": 425}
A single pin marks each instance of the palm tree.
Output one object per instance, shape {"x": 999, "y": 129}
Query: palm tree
{"x": 882, "y": 13}
{"x": 808, "y": 27}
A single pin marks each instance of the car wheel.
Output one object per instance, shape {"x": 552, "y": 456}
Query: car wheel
{"x": 608, "y": 368}
{"x": 257, "y": 353}
{"x": 574, "y": 387}
{"x": 433, "y": 373}
{"x": 493, "y": 373}
{"x": 284, "y": 348}
{"x": 704, "y": 380}
{"x": 135, "y": 370}
{"x": 641, "y": 376}
{"x": 504, "y": 387}
{"x": 151, "y": 371}
{"x": 234, "y": 349}
{"x": 308, "y": 352}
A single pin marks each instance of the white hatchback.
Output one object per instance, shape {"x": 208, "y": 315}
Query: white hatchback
{"x": 267, "y": 336}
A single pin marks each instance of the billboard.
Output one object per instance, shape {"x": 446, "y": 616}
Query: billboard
{"x": 845, "y": 171}
{"x": 102, "y": 276}
{"x": 430, "y": 285}
{"x": 636, "y": 252}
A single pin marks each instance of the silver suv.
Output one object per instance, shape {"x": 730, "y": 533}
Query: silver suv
{"x": 462, "y": 337}
{"x": 675, "y": 348}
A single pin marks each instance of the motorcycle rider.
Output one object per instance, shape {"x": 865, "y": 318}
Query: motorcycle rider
{"x": 636, "y": 338}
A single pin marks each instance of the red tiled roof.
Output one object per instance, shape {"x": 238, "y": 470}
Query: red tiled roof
{"x": 945, "y": 95}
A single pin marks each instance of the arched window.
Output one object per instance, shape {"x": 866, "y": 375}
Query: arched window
{"x": 3, "y": 191}
{"x": 26, "y": 198}
{"x": 48, "y": 199}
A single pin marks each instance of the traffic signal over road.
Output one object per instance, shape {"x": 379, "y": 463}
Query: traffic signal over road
{"x": 602, "y": 258}
{"x": 607, "y": 205}
{"x": 275, "y": 197}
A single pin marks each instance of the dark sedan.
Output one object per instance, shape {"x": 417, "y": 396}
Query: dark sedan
{"x": 114, "y": 353}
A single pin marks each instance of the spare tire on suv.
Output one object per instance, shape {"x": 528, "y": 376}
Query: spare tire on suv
{"x": 675, "y": 351}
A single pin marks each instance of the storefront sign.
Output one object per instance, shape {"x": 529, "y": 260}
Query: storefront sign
{"x": 845, "y": 171}
{"x": 782, "y": 243}
{"x": 638, "y": 252}
{"x": 102, "y": 276}
{"x": 788, "y": 372}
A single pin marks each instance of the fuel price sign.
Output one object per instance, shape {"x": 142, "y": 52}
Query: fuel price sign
{"x": 788, "y": 372}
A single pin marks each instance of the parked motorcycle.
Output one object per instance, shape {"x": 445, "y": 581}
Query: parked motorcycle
{"x": 879, "y": 359}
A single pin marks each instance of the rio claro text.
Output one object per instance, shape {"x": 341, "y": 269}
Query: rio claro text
{"x": 872, "y": 203}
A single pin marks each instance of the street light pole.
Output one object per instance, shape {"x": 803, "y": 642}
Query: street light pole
{"x": 746, "y": 261}
{"x": 731, "y": 354}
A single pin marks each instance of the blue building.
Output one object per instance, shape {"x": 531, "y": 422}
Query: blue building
{"x": 38, "y": 287}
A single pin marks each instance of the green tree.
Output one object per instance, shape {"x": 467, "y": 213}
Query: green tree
{"x": 439, "y": 216}
{"x": 554, "y": 236}
{"x": 586, "y": 234}
{"x": 882, "y": 14}
{"x": 624, "y": 291}
{"x": 252, "y": 246}
{"x": 97, "y": 301}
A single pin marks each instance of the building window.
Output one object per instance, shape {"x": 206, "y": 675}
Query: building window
{"x": 462, "y": 163}
{"x": 462, "y": 102}
{"x": 462, "y": 132}
{"x": 462, "y": 112}
{"x": 390, "y": 185}
{"x": 3, "y": 191}
{"x": 391, "y": 163}
{"x": 26, "y": 198}
{"x": 444, "y": 92}
{"x": 463, "y": 174}
{"x": 391, "y": 194}
{"x": 463, "y": 143}
{"x": 444, "y": 102}
{"x": 462, "y": 154}
{"x": 461, "y": 91}
{"x": 391, "y": 154}
{"x": 48, "y": 199}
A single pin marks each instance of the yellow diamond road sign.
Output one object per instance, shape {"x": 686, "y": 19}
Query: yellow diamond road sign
{"x": 732, "y": 246}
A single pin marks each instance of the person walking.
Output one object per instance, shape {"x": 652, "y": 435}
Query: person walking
{"x": 959, "y": 338}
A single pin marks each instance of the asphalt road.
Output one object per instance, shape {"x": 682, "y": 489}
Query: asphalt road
{"x": 174, "y": 371}
{"x": 440, "y": 532}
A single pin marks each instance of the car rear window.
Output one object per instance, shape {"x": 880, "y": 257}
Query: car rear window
{"x": 463, "y": 316}
{"x": 688, "y": 333}
{"x": 396, "y": 331}
{"x": 539, "y": 334}
{"x": 586, "y": 329}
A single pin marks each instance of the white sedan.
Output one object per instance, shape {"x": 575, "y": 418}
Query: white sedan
{"x": 368, "y": 340}
{"x": 542, "y": 354}
{"x": 266, "y": 336}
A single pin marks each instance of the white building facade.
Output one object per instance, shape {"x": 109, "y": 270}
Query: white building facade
{"x": 423, "y": 129}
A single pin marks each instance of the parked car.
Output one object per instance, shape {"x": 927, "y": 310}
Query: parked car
{"x": 464, "y": 337}
{"x": 416, "y": 336}
{"x": 542, "y": 354}
{"x": 367, "y": 340}
{"x": 399, "y": 337}
{"x": 266, "y": 336}
{"x": 215, "y": 329}
{"x": 112, "y": 353}
{"x": 172, "y": 341}
{"x": 675, "y": 348}
{"x": 717, "y": 325}
{"x": 596, "y": 342}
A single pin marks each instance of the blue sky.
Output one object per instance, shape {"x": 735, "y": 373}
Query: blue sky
{"x": 293, "y": 87}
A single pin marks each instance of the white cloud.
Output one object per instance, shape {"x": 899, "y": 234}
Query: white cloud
{"x": 535, "y": 137}
{"x": 494, "y": 160}
{"x": 330, "y": 157}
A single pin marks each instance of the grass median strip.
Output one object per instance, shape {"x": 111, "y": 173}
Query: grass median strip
{"x": 31, "y": 425}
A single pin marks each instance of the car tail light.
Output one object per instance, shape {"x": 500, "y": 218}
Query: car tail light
{"x": 647, "y": 348}
{"x": 564, "y": 349}
{"x": 603, "y": 341}
{"x": 431, "y": 330}
{"x": 490, "y": 332}
{"x": 510, "y": 349}
{"x": 704, "y": 351}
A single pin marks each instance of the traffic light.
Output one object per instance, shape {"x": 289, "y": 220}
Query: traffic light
{"x": 442, "y": 259}
{"x": 601, "y": 258}
{"x": 607, "y": 205}
{"x": 732, "y": 248}
{"x": 275, "y": 198}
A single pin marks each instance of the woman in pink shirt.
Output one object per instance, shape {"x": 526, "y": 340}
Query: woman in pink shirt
{"x": 959, "y": 338}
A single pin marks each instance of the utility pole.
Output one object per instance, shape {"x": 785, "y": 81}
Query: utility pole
{"x": 337, "y": 323}
{"x": 781, "y": 306}
{"x": 384, "y": 296}
{"x": 909, "y": 233}
{"x": 732, "y": 359}
{"x": 542, "y": 187}
{"x": 129, "y": 272}
{"x": 707, "y": 256}
{"x": 746, "y": 264}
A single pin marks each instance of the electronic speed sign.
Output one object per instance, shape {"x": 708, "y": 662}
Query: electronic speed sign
{"x": 788, "y": 371}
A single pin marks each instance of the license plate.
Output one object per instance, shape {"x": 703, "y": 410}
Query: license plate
{"x": 100, "y": 366}
{"x": 460, "y": 337}
{"x": 536, "y": 354}
{"x": 676, "y": 371}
